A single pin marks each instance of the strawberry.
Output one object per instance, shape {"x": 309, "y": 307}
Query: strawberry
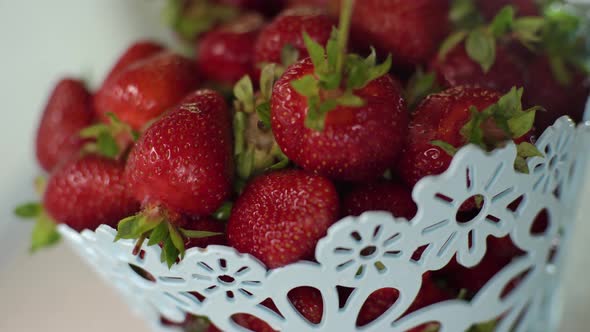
{"x": 384, "y": 196}
{"x": 309, "y": 3}
{"x": 190, "y": 18}
{"x": 448, "y": 120}
{"x": 87, "y": 192}
{"x": 298, "y": 208}
{"x": 411, "y": 30}
{"x": 68, "y": 110}
{"x": 489, "y": 8}
{"x": 282, "y": 38}
{"x": 381, "y": 300}
{"x": 182, "y": 165}
{"x": 137, "y": 51}
{"x": 226, "y": 53}
{"x": 458, "y": 68}
{"x": 308, "y": 301}
{"x": 558, "y": 99}
{"x": 266, "y": 7}
{"x": 338, "y": 114}
{"x": 146, "y": 89}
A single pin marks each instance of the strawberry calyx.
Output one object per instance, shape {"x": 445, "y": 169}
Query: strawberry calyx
{"x": 157, "y": 228}
{"x": 481, "y": 39}
{"x": 492, "y": 127}
{"x": 109, "y": 140}
{"x": 562, "y": 39}
{"x": 255, "y": 148}
{"x": 419, "y": 86}
{"x": 44, "y": 232}
{"x": 190, "y": 18}
{"x": 337, "y": 74}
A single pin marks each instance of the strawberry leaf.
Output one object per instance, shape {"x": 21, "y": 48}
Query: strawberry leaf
{"x": 169, "y": 252}
{"x": 419, "y": 86}
{"x": 446, "y": 147}
{"x": 223, "y": 212}
{"x": 350, "y": 100}
{"x": 502, "y": 22}
{"x": 316, "y": 53}
{"x": 198, "y": 234}
{"x": 528, "y": 30}
{"x": 527, "y": 150}
{"x": 289, "y": 55}
{"x": 263, "y": 112}
{"x": 176, "y": 239}
{"x": 245, "y": 163}
{"x": 107, "y": 145}
{"x": 464, "y": 14}
{"x": 522, "y": 123}
{"x": 560, "y": 71}
{"x": 135, "y": 226}
{"x": 306, "y": 86}
{"x": 472, "y": 131}
{"x": 94, "y": 131}
{"x": 281, "y": 164}
{"x": 450, "y": 43}
{"x": 159, "y": 234}
{"x": 481, "y": 48}
{"x": 268, "y": 76}
{"x": 28, "y": 210}
{"x": 244, "y": 93}
{"x": 239, "y": 125}
{"x": 44, "y": 234}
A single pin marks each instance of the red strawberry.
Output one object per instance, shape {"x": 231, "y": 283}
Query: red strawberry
{"x": 208, "y": 225}
{"x": 181, "y": 165}
{"x": 489, "y": 8}
{"x": 457, "y": 68}
{"x": 286, "y": 29}
{"x": 384, "y": 196}
{"x": 381, "y": 300}
{"x": 264, "y": 6}
{"x": 280, "y": 216}
{"x": 68, "y": 111}
{"x": 307, "y": 300}
{"x": 87, "y": 192}
{"x": 308, "y": 3}
{"x": 557, "y": 98}
{"x": 226, "y": 53}
{"x": 136, "y": 52}
{"x": 472, "y": 279}
{"x": 147, "y": 88}
{"x": 410, "y": 30}
{"x": 357, "y": 143}
{"x": 447, "y": 116}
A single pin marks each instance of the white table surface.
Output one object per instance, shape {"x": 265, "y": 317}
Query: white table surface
{"x": 54, "y": 290}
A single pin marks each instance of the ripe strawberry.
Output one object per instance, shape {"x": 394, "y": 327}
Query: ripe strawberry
{"x": 137, "y": 51}
{"x": 280, "y": 216}
{"x": 357, "y": 143}
{"x": 146, "y": 89}
{"x": 285, "y": 30}
{"x": 68, "y": 110}
{"x": 87, "y": 192}
{"x": 457, "y": 68}
{"x": 472, "y": 279}
{"x": 181, "y": 165}
{"x": 557, "y": 98}
{"x": 410, "y": 30}
{"x": 384, "y": 196}
{"x": 459, "y": 116}
{"x": 381, "y": 300}
{"x": 489, "y": 8}
{"x": 226, "y": 53}
{"x": 307, "y": 300}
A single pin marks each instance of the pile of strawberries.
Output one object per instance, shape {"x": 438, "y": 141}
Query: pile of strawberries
{"x": 281, "y": 124}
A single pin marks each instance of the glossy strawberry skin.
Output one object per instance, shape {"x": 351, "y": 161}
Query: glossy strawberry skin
{"x": 410, "y": 30}
{"x": 68, "y": 110}
{"x": 147, "y": 88}
{"x": 183, "y": 162}
{"x": 206, "y": 224}
{"x": 457, "y": 69}
{"x": 287, "y": 28}
{"x": 489, "y": 8}
{"x": 138, "y": 51}
{"x": 558, "y": 100}
{"x": 439, "y": 117}
{"x": 280, "y": 216}
{"x": 226, "y": 53}
{"x": 384, "y": 196}
{"x": 86, "y": 192}
{"x": 357, "y": 143}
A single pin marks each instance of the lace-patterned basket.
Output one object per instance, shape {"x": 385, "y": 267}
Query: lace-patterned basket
{"x": 552, "y": 185}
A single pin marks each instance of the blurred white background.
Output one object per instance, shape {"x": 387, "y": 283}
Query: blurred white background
{"x": 54, "y": 290}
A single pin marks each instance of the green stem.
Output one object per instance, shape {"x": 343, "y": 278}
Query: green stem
{"x": 343, "y": 32}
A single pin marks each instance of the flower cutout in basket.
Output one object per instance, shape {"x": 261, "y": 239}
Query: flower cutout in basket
{"x": 484, "y": 180}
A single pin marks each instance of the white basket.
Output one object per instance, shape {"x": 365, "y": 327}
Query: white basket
{"x": 532, "y": 304}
